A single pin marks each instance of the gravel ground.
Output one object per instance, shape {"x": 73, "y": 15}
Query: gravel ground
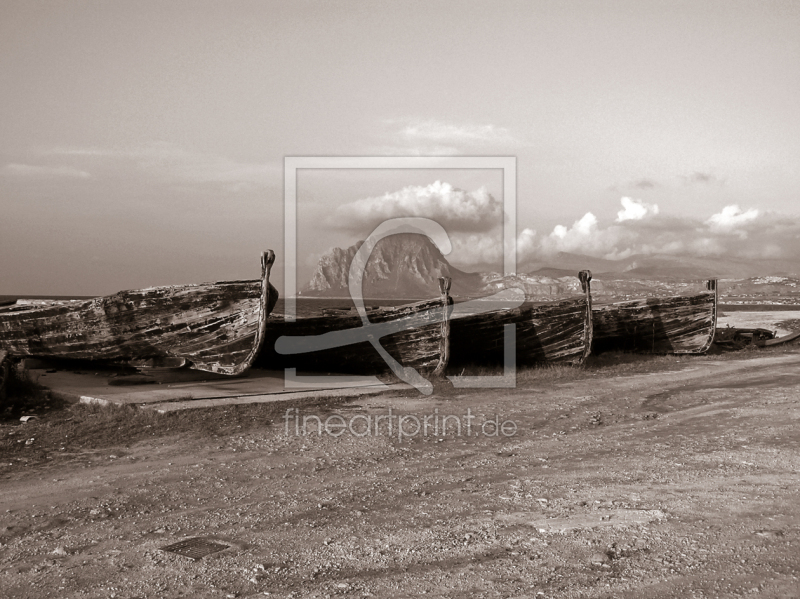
{"x": 677, "y": 483}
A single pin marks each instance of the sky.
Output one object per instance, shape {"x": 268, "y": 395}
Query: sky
{"x": 142, "y": 143}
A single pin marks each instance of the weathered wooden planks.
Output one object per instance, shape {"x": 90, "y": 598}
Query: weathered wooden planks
{"x": 678, "y": 324}
{"x": 4, "y": 373}
{"x": 790, "y": 338}
{"x": 444, "y": 338}
{"x": 215, "y": 327}
{"x": 545, "y": 333}
{"x": 424, "y": 347}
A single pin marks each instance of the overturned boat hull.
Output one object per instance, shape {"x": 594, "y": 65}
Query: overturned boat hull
{"x": 213, "y": 327}
{"x": 665, "y": 325}
{"x": 558, "y": 332}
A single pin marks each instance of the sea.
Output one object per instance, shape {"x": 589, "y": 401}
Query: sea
{"x": 310, "y": 306}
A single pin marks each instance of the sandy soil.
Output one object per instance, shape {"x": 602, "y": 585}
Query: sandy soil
{"x": 681, "y": 483}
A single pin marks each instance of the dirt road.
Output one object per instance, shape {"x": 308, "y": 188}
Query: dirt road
{"x": 677, "y": 483}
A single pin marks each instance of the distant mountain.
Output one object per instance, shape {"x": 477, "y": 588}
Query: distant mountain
{"x": 660, "y": 266}
{"x": 402, "y": 266}
{"x": 407, "y": 266}
{"x": 571, "y": 263}
{"x": 663, "y": 266}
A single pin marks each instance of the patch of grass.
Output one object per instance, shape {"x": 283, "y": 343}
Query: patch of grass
{"x": 753, "y": 351}
{"x": 25, "y": 396}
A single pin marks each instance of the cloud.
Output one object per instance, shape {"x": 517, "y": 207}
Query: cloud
{"x": 635, "y": 209}
{"x": 181, "y": 165}
{"x": 701, "y": 178}
{"x": 438, "y": 138}
{"x": 581, "y": 228}
{"x": 585, "y": 236}
{"x": 471, "y": 249}
{"x": 644, "y": 184}
{"x": 732, "y": 218}
{"x": 640, "y": 229}
{"x": 76, "y": 151}
{"x": 453, "y": 208}
{"x": 527, "y": 242}
{"x": 44, "y": 172}
{"x": 439, "y": 132}
{"x": 637, "y": 229}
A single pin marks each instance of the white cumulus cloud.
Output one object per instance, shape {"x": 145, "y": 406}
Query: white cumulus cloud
{"x": 584, "y": 236}
{"x": 640, "y": 229}
{"x": 732, "y": 217}
{"x": 473, "y": 220}
{"x": 633, "y": 209}
{"x": 453, "y": 208}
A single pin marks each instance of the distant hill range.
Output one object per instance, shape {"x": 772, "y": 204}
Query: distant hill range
{"x": 664, "y": 267}
{"x": 407, "y": 266}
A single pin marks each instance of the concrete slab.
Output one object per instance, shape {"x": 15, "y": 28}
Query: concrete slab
{"x": 169, "y": 390}
{"x": 175, "y": 406}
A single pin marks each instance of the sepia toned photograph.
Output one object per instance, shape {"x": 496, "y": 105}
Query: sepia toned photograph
{"x": 395, "y": 299}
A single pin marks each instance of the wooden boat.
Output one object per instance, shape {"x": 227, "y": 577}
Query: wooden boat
{"x": 659, "y": 325}
{"x": 555, "y": 332}
{"x": 415, "y": 335}
{"x": 790, "y": 338}
{"x": 737, "y": 338}
{"x": 214, "y": 327}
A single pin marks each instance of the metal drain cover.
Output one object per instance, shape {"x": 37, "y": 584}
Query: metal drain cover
{"x": 194, "y": 548}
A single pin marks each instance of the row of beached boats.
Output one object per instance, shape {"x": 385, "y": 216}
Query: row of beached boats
{"x": 227, "y": 327}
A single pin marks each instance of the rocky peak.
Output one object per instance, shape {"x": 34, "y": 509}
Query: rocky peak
{"x": 405, "y": 265}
